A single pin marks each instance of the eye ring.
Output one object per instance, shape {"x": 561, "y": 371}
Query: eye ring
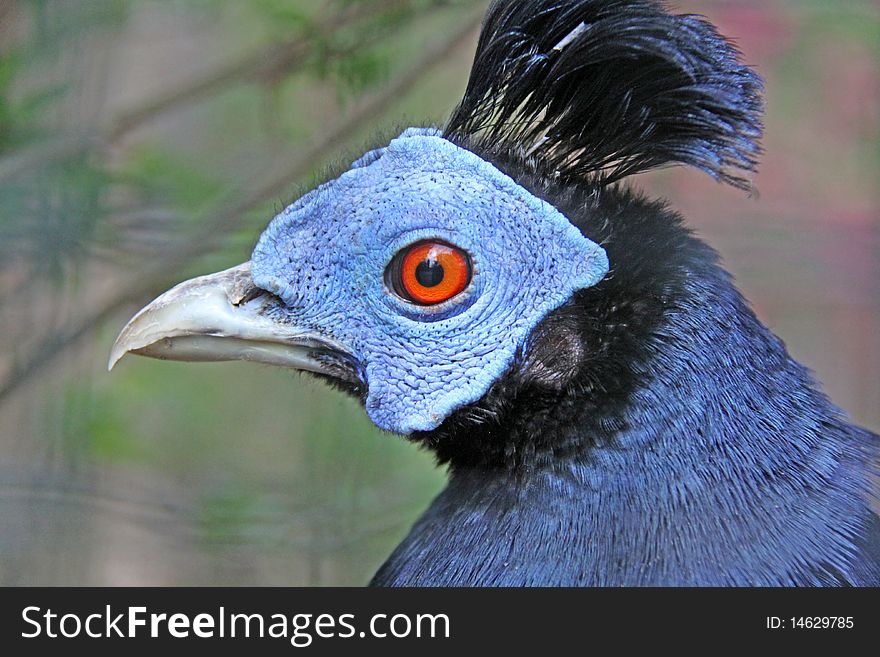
{"x": 429, "y": 272}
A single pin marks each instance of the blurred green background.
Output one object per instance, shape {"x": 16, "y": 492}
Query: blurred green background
{"x": 146, "y": 141}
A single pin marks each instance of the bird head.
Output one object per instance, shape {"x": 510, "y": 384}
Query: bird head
{"x": 446, "y": 265}
{"x": 402, "y": 277}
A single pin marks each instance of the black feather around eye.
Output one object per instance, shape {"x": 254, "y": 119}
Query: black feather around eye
{"x": 610, "y": 88}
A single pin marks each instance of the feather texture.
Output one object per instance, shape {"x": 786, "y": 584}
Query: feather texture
{"x": 653, "y": 432}
{"x": 610, "y": 88}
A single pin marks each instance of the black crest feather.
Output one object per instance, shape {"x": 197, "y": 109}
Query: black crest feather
{"x": 609, "y": 88}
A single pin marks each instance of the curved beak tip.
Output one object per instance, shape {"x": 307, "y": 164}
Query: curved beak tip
{"x": 192, "y": 308}
{"x": 122, "y": 344}
{"x": 219, "y": 317}
{"x": 116, "y": 354}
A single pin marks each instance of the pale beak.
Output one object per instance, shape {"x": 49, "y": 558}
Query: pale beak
{"x": 224, "y": 316}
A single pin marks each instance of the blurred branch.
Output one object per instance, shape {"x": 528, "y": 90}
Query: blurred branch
{"x": 266, "y": 64}
{"x": 168, "y": 516}
{"x": 227, "y": 213}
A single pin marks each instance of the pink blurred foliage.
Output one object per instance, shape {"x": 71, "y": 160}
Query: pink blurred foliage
{"x": 822, "y": 114}
{"x": 850, "y": 84}
{"x": 762, "y": 32}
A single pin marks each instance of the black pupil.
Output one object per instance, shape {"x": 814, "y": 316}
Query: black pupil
{"x": 429, "y": 273}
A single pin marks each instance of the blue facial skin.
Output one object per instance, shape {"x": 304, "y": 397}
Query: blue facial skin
{"x": 325, "y": 256}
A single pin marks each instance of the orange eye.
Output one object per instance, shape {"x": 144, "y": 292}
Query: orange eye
{"x": 430, "y": 272}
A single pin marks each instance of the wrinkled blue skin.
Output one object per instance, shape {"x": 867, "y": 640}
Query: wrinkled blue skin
{"x": 326, "y": 254}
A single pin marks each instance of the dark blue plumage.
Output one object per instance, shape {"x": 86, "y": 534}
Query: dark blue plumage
{"x": 687, "y": 449}
{"x": 610, "y": 409}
